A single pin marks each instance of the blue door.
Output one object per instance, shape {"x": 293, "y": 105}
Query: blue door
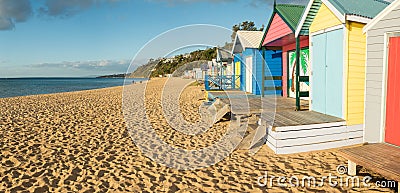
{"x": 327, "y": 77}
{"x": 319, "y": 73}
{"x": 334, "y": 73}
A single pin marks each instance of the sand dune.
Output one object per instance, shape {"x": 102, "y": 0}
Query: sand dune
{"x": 79, "y": 142}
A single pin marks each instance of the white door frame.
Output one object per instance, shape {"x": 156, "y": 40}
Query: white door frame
{"x": 249, "y": 74}
{"x": 384, "y": 81}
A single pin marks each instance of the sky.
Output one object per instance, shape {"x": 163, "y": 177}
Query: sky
{"x": 81, "y": 38}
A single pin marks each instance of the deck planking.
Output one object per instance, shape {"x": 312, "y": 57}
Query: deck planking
{"x": 380, "y": 158}
{"x": 277, "y": 111}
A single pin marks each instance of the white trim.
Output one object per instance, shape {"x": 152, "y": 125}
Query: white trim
{"x": 248, "y": 72}
{"x": 317, "y": 33}
{"x": 381, "y": 15}
{"x": 306, "y": 132}
{"x": 234, "y": 45}
{"x": 387, "y": 35}
{"x": 345, "y": 103}
{"x": 311, "y": 126}
{"x": 384, "y": 89}
{"x": 344, "y": 135}
{"x": 314, "y": 147}
{"x": 303, "y": 18}
{"x": 357, "y": 18}
{"x": 333, "y": 28}
{"x": 310, "y": 47}
{"x": 365, "y": 87}
{"x": 337, "y": 13}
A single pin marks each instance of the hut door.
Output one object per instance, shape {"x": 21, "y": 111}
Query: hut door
{"x": 319, "y": 73}
{"x": 334, "y": 73}
{"x": 327, "y": 88}
{"x": 392, "y": 131}
{"x": 249, "y": 74}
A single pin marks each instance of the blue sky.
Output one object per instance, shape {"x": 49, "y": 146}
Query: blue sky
{"x": 42, "y": 38}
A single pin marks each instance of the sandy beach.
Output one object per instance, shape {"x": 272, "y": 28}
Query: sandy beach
{"x": 78, "y": 142}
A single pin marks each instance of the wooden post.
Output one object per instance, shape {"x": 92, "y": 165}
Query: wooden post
{"x": 263, "y": 72}
{"x": 297, "y": 74}
{"x": 352, "y": 168}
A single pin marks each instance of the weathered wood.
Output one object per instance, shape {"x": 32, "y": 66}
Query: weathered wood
{"x": 242, "y": 103}
{"x": 286, "y": 130}
{"x": 380, "y": 158}
{"x": 261, "y": 133}
{"x": 221, "y": 113}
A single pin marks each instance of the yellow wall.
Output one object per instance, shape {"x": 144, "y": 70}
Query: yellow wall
{"x": 324, "y": 19}
{"x": 355, "y": 73}
{"x": 354, "y": 70}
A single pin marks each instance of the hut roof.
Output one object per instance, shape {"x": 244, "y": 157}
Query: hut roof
{"x": 246, "y": 39}
{"x": 290, "y": 13}
{"x": 362, "y": 10}
{"x": 382, "y": 14}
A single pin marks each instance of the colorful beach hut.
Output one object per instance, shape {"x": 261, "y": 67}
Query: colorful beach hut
{"x": 248, "y": 64}
{"x": 338, "y": 55}
{"x": 224, "y": 62}
{"x": 382, "y": 95}
{"x": 280, "y": 35}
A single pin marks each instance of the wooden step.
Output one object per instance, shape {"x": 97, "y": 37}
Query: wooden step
{"x": 221, "y": 113}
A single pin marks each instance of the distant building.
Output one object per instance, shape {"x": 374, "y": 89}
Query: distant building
{"x": 224, "y": 62}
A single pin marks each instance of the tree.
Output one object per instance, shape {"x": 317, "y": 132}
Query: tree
{"x": 247, "y": 26}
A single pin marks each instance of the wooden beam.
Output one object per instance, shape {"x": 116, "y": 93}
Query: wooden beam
{"x": 269, "y": 88}
{"x": 263, "y": 71}
{"x": 298, "y": 73}
{"x": 304, "y": 94}
{"x": 304, "y": 79}
{"x": 276, "y": 48}
{"x": 273, "y": 78}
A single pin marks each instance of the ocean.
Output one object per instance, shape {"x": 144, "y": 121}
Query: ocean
{"x": 12, "y": 87}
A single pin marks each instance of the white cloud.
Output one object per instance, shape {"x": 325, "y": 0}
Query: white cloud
{"x": 101, "y": 65}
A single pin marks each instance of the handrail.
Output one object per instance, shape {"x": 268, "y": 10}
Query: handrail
{"x": 224, "y": 82}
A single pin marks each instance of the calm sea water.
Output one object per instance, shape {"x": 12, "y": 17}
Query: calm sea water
{"x": 11, "y": 87}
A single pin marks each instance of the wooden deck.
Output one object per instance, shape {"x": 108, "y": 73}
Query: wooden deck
{"x": 231, "y": 94}
{"x": 284, "y": 108}
{"x": 380, "y": 158}
{"x": 245, "y": 102}
{"x": 288, "y": 119}
{"x": 289, "y": 131}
